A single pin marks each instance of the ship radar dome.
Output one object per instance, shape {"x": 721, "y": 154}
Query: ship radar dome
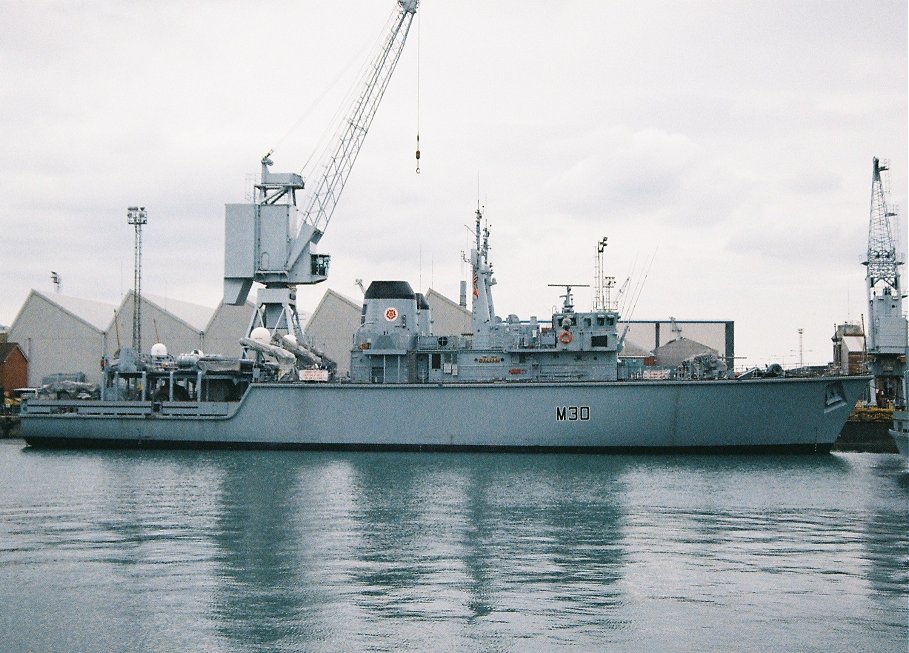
{"x": 261, "y": 335}
{"x": 159, "y": 350}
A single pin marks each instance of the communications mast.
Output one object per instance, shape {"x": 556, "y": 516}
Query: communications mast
{"x": 603, "y": 285}
{"x": 886, "y": 336}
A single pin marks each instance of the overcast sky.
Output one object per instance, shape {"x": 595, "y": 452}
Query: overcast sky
{"x": 728, "y": 142}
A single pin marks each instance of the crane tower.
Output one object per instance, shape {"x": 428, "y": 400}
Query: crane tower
{"x": 271, "y": 241}
{"x": 886, "y": 337}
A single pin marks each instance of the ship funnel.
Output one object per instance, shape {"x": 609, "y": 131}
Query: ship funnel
{"x": 390, "y": 307}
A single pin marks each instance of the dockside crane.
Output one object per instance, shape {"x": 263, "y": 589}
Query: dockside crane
{"x": 271, "y": 241}
{"x": 887, "y": 336}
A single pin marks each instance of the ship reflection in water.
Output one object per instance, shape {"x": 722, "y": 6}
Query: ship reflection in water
{"x": 188, "y": 550}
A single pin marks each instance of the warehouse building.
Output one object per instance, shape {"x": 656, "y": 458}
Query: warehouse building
{"x": 331, "y": 326}
{"x": 180, "y": 326}
{"x": 62, "y": 334}
{"x": 705, "y": 335}
{"x": 59, "y": 334}
{"x": 227, "y": 325}
{"x": 448, "y": 317}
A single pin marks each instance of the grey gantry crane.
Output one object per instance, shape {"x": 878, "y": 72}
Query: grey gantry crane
{"x": 886, "y": 335}
{"x": 271, "y": 240}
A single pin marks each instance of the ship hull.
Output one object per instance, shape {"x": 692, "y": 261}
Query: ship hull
{"x": 902, "y": 442}
{"x": 900, "y": 433}
{"x": 765, "y": 414}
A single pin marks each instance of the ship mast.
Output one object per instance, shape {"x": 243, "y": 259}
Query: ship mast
{"x": 603, "y": 285}
{"x": 483, "y": 312}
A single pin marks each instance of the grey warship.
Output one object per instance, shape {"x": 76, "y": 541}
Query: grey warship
{"x": 555, "y": 385}
{"x": 558, "y": 384}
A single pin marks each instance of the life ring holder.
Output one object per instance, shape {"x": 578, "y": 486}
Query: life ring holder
{"x": 565, "y": 337}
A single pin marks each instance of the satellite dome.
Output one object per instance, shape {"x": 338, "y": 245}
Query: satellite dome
{"x": 291, "y": 338}
{"x": 261, "y": 335}
{"x": 158, "y": 350}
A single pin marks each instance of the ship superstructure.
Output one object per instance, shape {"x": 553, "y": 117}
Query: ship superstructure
{"x": 393, "y": 344}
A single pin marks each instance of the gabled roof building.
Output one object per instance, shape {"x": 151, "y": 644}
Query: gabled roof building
{"x": 64, "y": 334}
{"x": 331, "y": 327}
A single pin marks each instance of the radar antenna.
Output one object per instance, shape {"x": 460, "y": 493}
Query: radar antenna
{"x": 567, "y": 298}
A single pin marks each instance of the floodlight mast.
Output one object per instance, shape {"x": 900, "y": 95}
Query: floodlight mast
{"x": 137, "y": 216}
{"x": 270, "y": 241}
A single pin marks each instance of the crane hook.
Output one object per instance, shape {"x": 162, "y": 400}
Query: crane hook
{"x": 418, "y": 153}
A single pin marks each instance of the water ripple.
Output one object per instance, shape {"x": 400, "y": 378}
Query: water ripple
{"x": 247, "y": 551}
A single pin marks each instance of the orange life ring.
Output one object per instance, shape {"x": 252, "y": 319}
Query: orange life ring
{"x": 565, "y": 337}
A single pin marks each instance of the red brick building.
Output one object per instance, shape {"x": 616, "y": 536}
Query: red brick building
{"x": 13, "y": 366}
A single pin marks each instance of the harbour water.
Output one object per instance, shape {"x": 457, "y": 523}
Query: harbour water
{"x": 329, "y": 551}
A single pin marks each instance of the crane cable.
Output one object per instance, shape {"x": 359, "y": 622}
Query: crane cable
{"x": 418, "y": 92}
{"x": 331, "y": 132}
{"x": 342, "y": 72}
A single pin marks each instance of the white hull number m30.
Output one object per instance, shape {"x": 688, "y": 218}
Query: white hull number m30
{"x": 572, "y": 413}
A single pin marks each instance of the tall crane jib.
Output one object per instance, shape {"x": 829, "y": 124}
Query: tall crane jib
{"x": 887, "y": 327}
{"x": 271, "y": 241}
